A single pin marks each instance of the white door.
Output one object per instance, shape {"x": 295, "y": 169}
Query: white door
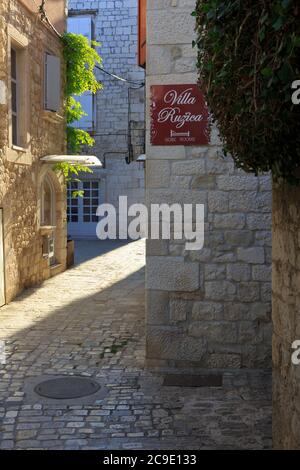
{"x": 2, "y": 285}
{"x": 82, "y": 218}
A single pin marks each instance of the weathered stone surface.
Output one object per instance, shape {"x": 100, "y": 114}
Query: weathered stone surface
{"x": 189, "y": 168}
{"x": 225, "y": 332}
{"x": 179, "y": 310}
{"x": 239, "y": 237}
{"x": 158, "y": 173}
{"x": 165, "y": 30}
{"x": 157, "y": 247}
{"x": 238, "y": 272}
{"x": 249, "y": 292}
{"x": 253, "y": 255}
{"x": 237, "y": 183}
{"x": 157, "y": 303}
{"x": 215, "y": 272}
{"x": 203, "y": 182}
{"x": 258, "y": 222}
{"x": 220, "y": 290}
{"x": 224, "y": 361}
{"x": 229, "y": 221}
{"x": 172, "y": 274}
{"x": 218, "y": 201}
{"x": 207, "y": 311}
{"x": 261, "y": 273}
{"x": 172, "y": 344}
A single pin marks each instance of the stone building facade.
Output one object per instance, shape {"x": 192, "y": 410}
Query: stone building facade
{"x": 32, "y": 196}
{"x": 208, "y": 308}
{"x": 117, "y": 118}
{"x": 286, "y": 319}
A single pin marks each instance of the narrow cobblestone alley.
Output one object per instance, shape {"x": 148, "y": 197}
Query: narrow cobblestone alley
{"x": 89, "y": 321}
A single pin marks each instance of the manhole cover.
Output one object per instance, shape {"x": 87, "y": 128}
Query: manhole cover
{"x": 67, "y": 387}
{"x": 174, "y": 380}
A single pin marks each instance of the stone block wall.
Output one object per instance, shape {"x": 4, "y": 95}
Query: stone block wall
{"x": 20, "y": 169}
{"x": 286, "y": 318}
{"x": 119, "y": 106}
{"x": 207, "y": 308}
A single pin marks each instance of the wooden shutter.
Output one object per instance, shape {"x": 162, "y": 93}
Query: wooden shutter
{"x": 52, "y": 83}
{"x": 142, "y": 32}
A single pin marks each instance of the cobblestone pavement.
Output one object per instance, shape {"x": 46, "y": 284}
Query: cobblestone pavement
{"x": 90, "y": 321}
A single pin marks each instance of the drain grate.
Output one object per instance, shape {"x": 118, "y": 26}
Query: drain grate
{"x": 209, "y": 380}
{"x": 67, "y": 388}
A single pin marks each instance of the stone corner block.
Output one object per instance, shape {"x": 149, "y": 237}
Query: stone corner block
{"x": 172, "y": 274}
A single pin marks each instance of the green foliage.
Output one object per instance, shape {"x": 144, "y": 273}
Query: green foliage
{"x": 80, "y": 58}
{"x": 77, "y": 138}
{"x": 70, "y": 172}
{"x": 248, "y": 57}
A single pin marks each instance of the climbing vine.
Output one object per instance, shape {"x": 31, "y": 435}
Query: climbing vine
{"x": 80, "y": 59}
{"x": 248, "y": 57}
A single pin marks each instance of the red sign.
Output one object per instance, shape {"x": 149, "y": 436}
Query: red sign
{"x": 179, "y": 115}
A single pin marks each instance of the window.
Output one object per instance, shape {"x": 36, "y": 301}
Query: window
{"x": 83, "y": 24}
{"x": 73, "y": 202}
{"x": 48, "y": 203}
{"x": 14, "y": 98}
{"x": 83, "y": 209}
{"x": 90, "y": 201}
{"x": 52, "y": 82}
{"x": 18, "y": 103}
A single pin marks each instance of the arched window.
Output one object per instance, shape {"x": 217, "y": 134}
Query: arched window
{"x": 48, "y": 203}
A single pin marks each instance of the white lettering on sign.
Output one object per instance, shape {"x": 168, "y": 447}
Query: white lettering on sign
{"x": 172, "y": 114}
{"x": 185, "y": 97}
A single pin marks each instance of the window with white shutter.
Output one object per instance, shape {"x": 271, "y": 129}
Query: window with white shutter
{"x": 83, "y": 24}
{"x": 80, "y": 24}
{"x": 52, "y": 82}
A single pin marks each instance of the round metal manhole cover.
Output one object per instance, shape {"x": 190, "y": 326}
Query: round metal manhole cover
{"x": 67, "y": 388}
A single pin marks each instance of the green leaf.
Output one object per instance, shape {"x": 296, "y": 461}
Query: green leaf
{"x": 278, "y": 23}
{"x": 285, "y": 74}
{"x": 267, "y": 72}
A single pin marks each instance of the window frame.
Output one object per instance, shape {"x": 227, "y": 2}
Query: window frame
{"x": 46, "y": 106}
{"x": 77, "y": 14}
{"x": 19, "y": 148}
{"x": 48, "y": 181}
{"x": 14, "y": 113}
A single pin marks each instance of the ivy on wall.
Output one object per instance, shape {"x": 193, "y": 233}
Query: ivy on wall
{"x": 248, "y": 57}
{"x": 80, "y": 58}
